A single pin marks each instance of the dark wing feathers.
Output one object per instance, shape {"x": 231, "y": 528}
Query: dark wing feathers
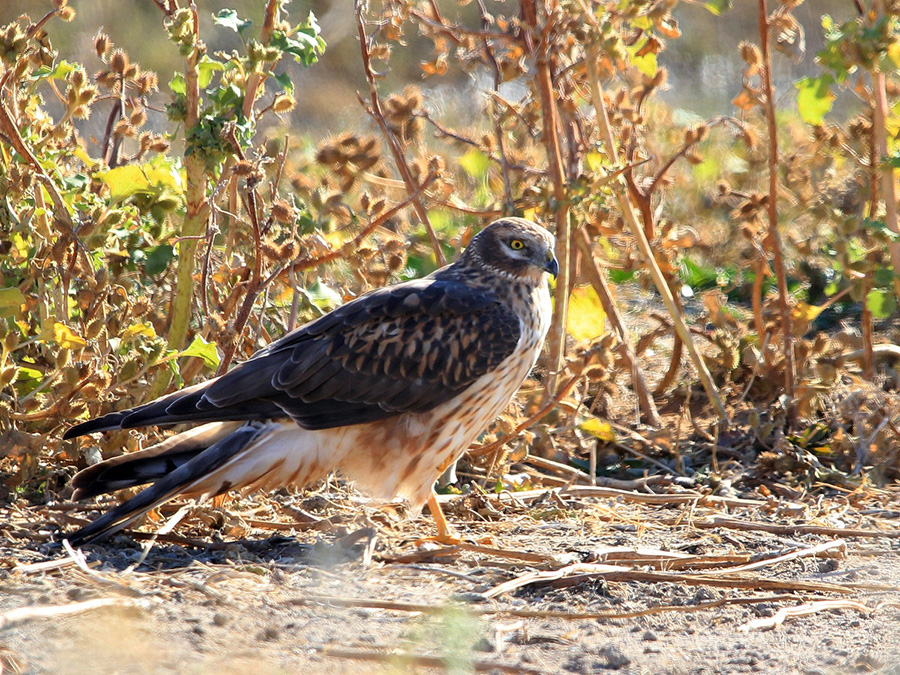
{"x": 405, "y": 348}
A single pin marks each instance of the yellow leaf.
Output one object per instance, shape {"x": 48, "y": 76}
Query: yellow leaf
{"x": 586, "y": 320}
{"x": 530, "y": 214}
{"x": 66, "y": 338}
{"x": 598, "y": 429}
{"x": 139, "y": 329}
{"x": 894, "y": 54}
{"x": 805, "y": 312}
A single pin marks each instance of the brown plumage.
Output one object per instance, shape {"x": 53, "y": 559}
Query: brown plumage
{"x": 388, "y": 389}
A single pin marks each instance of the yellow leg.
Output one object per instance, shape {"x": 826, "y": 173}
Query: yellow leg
{"x": 445, "y": 533}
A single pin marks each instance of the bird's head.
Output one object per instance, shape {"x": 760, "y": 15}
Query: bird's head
{"x": 514, "y": 247}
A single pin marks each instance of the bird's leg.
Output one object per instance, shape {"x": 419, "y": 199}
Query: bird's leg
{"x": 445, "y": 532}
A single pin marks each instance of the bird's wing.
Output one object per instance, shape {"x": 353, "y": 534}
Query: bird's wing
{"x": 404, "y": 348}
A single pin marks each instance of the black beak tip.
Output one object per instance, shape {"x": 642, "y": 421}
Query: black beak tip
{"x": 552, "y": 266}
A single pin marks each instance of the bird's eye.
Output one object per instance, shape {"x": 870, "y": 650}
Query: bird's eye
{"x": 516, "y": 245}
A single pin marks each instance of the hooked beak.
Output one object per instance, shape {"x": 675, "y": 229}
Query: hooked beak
{"x": 551, "y": 266}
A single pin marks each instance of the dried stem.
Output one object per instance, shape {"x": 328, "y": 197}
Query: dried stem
{"x": 257, "y": 78}
{"x": 638, "y": 382}
{"x": 888, "y": 180}
{"x": 637, "y": 231}
{"x": 773, "y": 238}
{"x": 374, "y": 109}
{"x": 196, "y": 216}
{"x": 556, "y": 339}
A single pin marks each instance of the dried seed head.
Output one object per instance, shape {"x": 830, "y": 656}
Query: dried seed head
{"x": 8, "y": 375}
{"x": 396, "y": 263}
{"x": 106, "y": 78}
{"x": 11, "y": 341}
{"x": 124, "y": 128}
{"x": 282, "y": 212}
{"x": 159, "y": 144}
{"x": 101, "y": 44}
{"x": 89, "y": 392}
{"x": 87, "y": 95}
{"x": 289, "y": 250}
{"x": 138, "y": 116}
{"x": 270, "y": 250}
{"x": 66, "y": 14}
{"x": 243, "y": 168}
{"x": 77, "y": 78}
{"x": 283, "y": 103}
{"x": 118, "y": 62}
{"x": 147, "y": 82}
{"x": 92, "y": 330}
{"x": 750, "y": 54}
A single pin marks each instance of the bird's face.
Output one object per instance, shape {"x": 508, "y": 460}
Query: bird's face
{"x": 516, "y": 247}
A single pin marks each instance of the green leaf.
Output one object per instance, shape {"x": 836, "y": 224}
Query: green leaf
{"x": 881, "y": 303}
{"x": 620, "y": 276}
{"x": 178, "y": 85}
{"x": 206, "y": 69}
{"x": 645, "y": 63}
{"x": 284, "y": 79}
{"x": 204, "y": 350}
{"x": 149, "y": 178}
{"x": 158, "y": 259}
{"x": 596, "y": 161}
{"x": 323, "y": 296}
{"x": 815, "y": 98}
{"x": 304, "y": 44}
{"x": 58, "y": 72}
{"x": 11, "y": 298}
{"x": 230, "y": 19}
{"x": 475, "y": 163}
{"x": 717, "y": 7}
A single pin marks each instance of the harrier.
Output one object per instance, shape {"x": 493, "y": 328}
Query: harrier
{"x": 388, "y": 390}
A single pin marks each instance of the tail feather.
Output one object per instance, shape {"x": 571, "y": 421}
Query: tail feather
{"x": 176, "y": 408}
{"x": 147, "y": 466}
{"x": 200, "y": 462}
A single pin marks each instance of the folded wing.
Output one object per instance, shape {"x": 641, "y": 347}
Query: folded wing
{"x": 405, "y": 348}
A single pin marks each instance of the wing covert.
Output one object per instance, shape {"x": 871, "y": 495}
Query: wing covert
{"x": 405, "y": 348}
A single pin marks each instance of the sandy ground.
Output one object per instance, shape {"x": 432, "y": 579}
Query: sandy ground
{"x": 352, "y": 591}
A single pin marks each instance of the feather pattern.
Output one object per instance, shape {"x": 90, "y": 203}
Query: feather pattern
{"x": 388, "y": 389}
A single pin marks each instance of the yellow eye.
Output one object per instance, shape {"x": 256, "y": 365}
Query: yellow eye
{"x": 516, "y": 245}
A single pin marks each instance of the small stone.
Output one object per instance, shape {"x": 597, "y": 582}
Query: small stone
{"x": 650, "y": 636}
{"x": 614, "y": 658}
{"x": 269, "y": 633}
{"x": 220, "y": 619}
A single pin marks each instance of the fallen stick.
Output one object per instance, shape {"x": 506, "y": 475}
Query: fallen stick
{"x": 22, "y": 615}
{"x": 771, "y": 622}
{"x": 802, "y": 553}
{"x": 415, "y": 608}
{"x": 789, "y": 530}
{"x": 401, "y": 659}
{"x": 578, "y": 572}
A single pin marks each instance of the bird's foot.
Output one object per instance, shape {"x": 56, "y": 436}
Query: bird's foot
{"x": 450, "y": 538}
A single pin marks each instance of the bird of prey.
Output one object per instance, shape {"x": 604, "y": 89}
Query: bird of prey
{"x": 388, "y": 390}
